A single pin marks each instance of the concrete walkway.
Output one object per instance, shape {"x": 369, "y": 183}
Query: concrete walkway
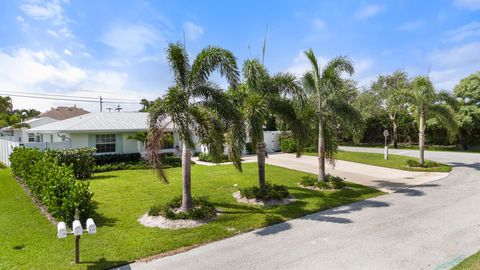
{"x": 385, "y": 179}
{"x": 431, "y": 226}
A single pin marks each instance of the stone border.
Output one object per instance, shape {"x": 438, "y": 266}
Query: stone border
{"x": 35, "y": 201}
{"x": 164, "y": 223}
{"x": 241, "y": 199}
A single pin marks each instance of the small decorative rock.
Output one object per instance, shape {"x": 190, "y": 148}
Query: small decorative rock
{"x": 241, "y": 199}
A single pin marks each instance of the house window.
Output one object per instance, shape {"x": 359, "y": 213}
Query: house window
{"x": 31, "y": 137}
{"x": 105, "y": 143}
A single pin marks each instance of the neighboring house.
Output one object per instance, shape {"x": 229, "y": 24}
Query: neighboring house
{"x": 23, "y": 136}
{"x": 108, "y": 132}
{"x": 62, "y": 113}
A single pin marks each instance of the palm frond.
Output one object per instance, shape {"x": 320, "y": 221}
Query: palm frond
{"x": 255, "y": 74}
{"x": 445, "y": 116}
{"x": 178, "y": 60}
{"x": 211, "y": 59}
{"x": 286, "y": 84}
{"x": 156, "y": 131}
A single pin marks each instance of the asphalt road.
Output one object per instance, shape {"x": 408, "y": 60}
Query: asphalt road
{"x": 431, "y": 226}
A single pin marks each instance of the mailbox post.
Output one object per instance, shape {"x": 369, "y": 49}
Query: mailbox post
{"x": 385, "y": 150}
{"x": 77, "y": 231}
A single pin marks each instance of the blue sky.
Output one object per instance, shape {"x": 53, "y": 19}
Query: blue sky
{"x": 117, "y": 48}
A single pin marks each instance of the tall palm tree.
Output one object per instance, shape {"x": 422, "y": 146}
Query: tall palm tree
{"x": 323, "y": 85}
{"x": 428, "y": 104}
{"x": 263, "y": 94}
{"x": 5, "y": 104}
{"x": 197, "y": 107}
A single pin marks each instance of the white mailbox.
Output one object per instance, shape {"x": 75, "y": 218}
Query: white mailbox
{"x": 91, "y": 227}
{"x": 61, "y": 230}
{"x": 77, "y": 228}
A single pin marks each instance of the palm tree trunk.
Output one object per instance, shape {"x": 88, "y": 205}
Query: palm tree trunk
{"x": 261, "y": 164}
{"x": 186, "y": 179}
{"x": 421, "y": 136}
{"x": 321, "y": 152}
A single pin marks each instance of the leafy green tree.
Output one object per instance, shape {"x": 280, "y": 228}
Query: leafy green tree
{"x": 12, "y": 120}
{"x": 427, "y": 104}
{"x": 197, "y": 107}
{"x": 263, "y": 96}
{"x": 323, "y": 87}
{"x": 468, "y": 92}
{"x": 391, "y": 89}
{"x": 5, "y": 104}
{"x": 26, "y": 114}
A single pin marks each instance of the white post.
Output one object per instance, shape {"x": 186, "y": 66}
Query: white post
{"x": 385, "y": 149}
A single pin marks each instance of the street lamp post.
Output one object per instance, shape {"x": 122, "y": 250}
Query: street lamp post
{"x": 385, "y": 150}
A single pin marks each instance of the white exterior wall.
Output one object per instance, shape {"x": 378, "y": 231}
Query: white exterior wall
{"x": 78, "y": 140}
{"x": 272, "y": 140}
{"x": 129, "y": 145}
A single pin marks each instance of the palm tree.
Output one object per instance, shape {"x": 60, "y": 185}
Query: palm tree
{"x": 323, "y": 86}
{"x": 262, "y": 95}
{"x": 197, "y": 107}
{"x": 429, "y": 104}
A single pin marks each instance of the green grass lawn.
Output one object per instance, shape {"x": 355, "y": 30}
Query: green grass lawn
{"x": 448, "y": 148}
{"x": 471, "y": 263}
{"x": 28, "y": 240}
{"x": 394, "y": 161}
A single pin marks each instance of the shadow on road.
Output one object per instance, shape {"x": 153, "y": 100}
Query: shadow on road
{"x": 409, "y": 190}
{"x": 325, "y": 216}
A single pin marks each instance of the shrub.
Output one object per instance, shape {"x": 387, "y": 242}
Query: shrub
{"x": 332, "y": 182}
{"x": 117, "y": 158}
{"x": 250, "y": 148}
{"x": 427, "y": 164}
{"x": 209, "y": 158}
{"x": 287, "y": 143}
{"x": 270, "y": 192}
{"x": 82, "y": 160}
{"x": 171, "y": 161}
{"x": 52, "y": 183}
{"x": 202, "y": 209}
{"x": 167, "y": 162}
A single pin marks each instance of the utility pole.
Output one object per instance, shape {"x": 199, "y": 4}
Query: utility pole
{"x": 101, "y": 103}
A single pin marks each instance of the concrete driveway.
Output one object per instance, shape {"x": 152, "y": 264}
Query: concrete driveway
{"x": 384, "y": 179}
{"x": 430, "y": 226}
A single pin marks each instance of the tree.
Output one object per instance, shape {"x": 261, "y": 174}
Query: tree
{"x": 146, "y": 104}
{"x": 12, "y": 120}
{"x": 5, "y": 104}
{"x": 391, "y": 89}
{"x": 26, "y": 114}
{"x": 428, "y": 104}
{"x": 263, "y": 96}
{"x": 468, "y": 92}
{"x": 323, "y": 87}
{"x": 197, "y": 107}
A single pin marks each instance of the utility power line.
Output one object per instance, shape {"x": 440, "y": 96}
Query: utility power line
{"x": 60, "y": 95}
{"x": 68, "y": 99}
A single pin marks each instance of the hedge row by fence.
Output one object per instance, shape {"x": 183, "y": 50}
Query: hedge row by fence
{"x": 82, "y": 160}
{"x": 53, "y": 183}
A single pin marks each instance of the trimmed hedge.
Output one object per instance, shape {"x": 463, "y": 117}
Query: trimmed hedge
{"x": 202, "y": 209}
{"x": 270, "y": 192}
{"x": 117, "y": 158}
{"x": 208, "y": 158}
{"x": 331, "y": 182}
{"x": 52, "y": 183}
{"x": 82, "y": 160}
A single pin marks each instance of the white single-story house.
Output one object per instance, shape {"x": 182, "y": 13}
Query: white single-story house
{"x": 108, "y": 132}
{"x": 22, "y": 135}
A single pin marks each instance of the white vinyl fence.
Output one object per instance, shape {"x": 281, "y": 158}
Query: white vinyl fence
{"x": 6, "y": 148}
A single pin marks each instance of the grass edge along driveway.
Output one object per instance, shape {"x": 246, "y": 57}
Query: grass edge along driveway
{"x": 394, "y": 161}
{"x": 29, "y": 240}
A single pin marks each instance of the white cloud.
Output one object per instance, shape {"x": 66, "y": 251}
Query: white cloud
{"x": 411, "y": 25}
{"x": 301, "y": 64}
{"x": 318, "y": 24}
{"x": 362, "y": 65}
{"x": 44, "y": 10}
{"x": 132, "y": 39}
{"x": 52, "y": 33}
{"x": 20, "y": 19}
{"x": 367, "y": 11}
{"x": 67, "y": 52}
{"x": 449, "y": 66}
{"x": 46, "y": 71}
{"x": 468, "y": 4}
{"x": 192, "y": 31}
{"x": 469, "y": 30}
